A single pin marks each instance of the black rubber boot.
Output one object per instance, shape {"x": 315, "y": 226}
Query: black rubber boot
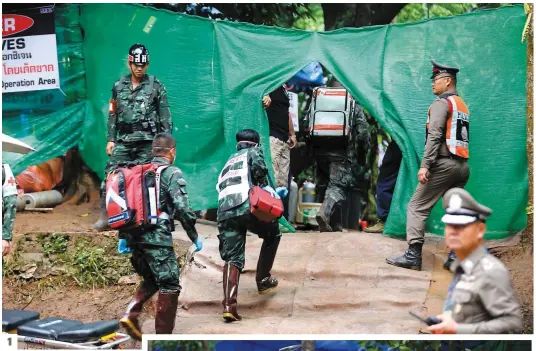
{"x": 411, "y": 259}
{"x": 102, "y": 222}
{"x": 450, "y": 260}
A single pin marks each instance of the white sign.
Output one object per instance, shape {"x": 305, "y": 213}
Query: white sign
{"x": 293, "y": 110}
{"x": 29, "y": 55}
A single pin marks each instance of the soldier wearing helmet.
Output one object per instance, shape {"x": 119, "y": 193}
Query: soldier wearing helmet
{"x": 138, "y": 111}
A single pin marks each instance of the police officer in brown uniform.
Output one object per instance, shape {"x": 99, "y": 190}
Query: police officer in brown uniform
{"x": 444, "y": 164}
{"x": 481, "y": 298}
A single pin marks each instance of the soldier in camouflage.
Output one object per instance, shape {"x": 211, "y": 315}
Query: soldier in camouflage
{"x": 342, "y": 169}
{"x": 244, "y": 169}
{"x": 9, "y": 207}
{"x": 138, "y": 111}
{"x": 153, "y": 257}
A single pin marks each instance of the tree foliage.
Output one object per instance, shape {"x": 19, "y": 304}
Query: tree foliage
{"x": 451, "y": 345}
{"x": 283, "y": 15}
{"x": 181, "y": 345}
{"x": 338, "y": 15}
{"x": 316, "y": 17}
{"x": 418, "y": 12}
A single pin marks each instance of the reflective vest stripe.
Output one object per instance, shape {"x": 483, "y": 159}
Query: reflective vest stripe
{"x": 458, "y": 140}
{"x": 236, "y": 194}
{"x": 452, "y": 123}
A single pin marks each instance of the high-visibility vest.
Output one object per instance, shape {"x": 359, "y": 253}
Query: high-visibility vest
{"x": 457, "y": 128}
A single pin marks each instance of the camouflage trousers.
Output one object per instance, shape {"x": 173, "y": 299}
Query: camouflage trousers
{"x": 129, "y": 153}
{"x": 157, "y": 266}
{"x": 233, "y": 236}
{"x": 9, "y": 210}
{"x": 339, "y": 176}
{"x": 280, "y": 152}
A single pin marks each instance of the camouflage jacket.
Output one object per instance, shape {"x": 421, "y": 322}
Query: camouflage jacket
{"x": 140, "y": 113}
{"x": 173, "y": 198}
{"x": 259, "y": 173}
{"x": 9, "y": 210}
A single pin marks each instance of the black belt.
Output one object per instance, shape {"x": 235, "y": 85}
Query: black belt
{"x": 453, "y": 157}
{"x": 130, "y": 128}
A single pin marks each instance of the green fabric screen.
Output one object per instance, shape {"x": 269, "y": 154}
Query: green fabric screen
{"x": 50, "y": 120}
{"x": 216, "y": 73}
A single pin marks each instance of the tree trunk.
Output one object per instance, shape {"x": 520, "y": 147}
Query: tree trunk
{"x": 358, "y": 15}
{"x": 527, "y": 235}
{"x": 308, "y": 345}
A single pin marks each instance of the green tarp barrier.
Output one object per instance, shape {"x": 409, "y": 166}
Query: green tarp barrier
{"x": 216, "y": 73}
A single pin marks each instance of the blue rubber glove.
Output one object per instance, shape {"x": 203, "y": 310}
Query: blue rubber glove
{"x": 282, "y": 192}
{"x": 198, "y": 244}
{"x": 271, "y": 191}
{"x": 122, "y": 247}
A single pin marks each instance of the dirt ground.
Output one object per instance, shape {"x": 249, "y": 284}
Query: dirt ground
{"x": 110, "y": 302}
{"x": 520, "y": 263}
{"x": 50, "y": 297}
{"x": 65, "y": 218}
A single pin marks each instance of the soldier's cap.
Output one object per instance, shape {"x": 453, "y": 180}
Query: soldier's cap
{"x": 461, "y": 208}
{"x": 438, "y": 69}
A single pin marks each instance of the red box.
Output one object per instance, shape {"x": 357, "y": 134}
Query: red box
{"x": 263, "y": 205}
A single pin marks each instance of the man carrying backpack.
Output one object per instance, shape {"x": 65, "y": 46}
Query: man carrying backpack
{"x": 339, "y": 167}
{"x": 244, "y": 169}
{"x": 138, "y": 111}
{"x": 153, "y": 257}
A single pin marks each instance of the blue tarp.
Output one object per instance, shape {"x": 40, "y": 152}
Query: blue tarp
{"x": 329, "y": 345}
{"x": 274, "y": 345}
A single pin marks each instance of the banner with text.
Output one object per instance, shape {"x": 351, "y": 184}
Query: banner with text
{"x": 293, "y": 110}
{"x": 29, "y": 56}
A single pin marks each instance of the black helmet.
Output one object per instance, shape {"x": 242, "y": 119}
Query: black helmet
{"x": 138, "y": 55}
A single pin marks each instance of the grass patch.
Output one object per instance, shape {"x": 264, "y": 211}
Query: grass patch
{"x": 92, "y": 266}
{"x": 53, "y": 244}
{"x": 84, "y": 261}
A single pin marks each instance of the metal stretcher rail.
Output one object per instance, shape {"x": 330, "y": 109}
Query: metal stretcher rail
{"x": 90, "y": 345}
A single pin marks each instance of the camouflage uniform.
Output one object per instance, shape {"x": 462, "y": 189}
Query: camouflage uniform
{"x": 235, "y": 222}
{"x": 153, "y": 256}
{"x": 342, "y": 169}
{"x": 9, "y": 209}
{"x": 140, "y": 114}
